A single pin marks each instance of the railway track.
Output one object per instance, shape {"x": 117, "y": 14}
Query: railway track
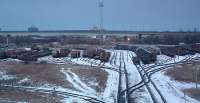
{"x": 119, "y": 98}
{"x": 188, "y": 58}
{"x": 146, "y": 73}
{"x": 113, "y": 64}
{"x": 66, "y": 94}
{"x": 146, "y": 77}
{"x": 123, "y": 97}
{"x": 123, "y": 93}
{"x": 144, "y": 82}
{"x": 112, "y": 58}
{"x": 126, "y": 96}
{"x": 61, "y": 93}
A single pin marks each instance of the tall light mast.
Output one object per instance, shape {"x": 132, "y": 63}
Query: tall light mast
{"x": 101, "y": 5}
{"x": 101, "y": 29}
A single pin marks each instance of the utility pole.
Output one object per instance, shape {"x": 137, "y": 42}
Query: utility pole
{"x": 127, "y": 55}
{"x": 7, "y": 39}
{"x": 196, "y": 76}
{"x": 195, "y": 29}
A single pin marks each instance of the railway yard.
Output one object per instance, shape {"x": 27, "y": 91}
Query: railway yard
{"x": 99, "y": 51}
{"x": 126, "y": 74}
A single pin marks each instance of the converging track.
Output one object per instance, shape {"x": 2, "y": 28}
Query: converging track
{"x": 147, "y": 71}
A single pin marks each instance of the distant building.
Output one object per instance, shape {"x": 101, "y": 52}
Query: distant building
{"x": 33, "y": 29}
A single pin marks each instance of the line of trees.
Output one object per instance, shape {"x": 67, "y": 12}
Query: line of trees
{"x": 27, "y": 40}
{"x": 171, "y": 39}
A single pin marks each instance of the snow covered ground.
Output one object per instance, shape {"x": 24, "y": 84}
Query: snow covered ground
{"x": 171, "y": 90}
{"x": 4, "y": 76}
{"x": 109, "y": 94}
{"x": 140, "y": 96}
{"x": 76, "y": 82}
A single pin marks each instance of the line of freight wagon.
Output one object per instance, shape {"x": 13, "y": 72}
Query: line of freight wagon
{"x": 148, "y": 54}
{"x": 33, "y": 55}
{"x": 99, "y": 54}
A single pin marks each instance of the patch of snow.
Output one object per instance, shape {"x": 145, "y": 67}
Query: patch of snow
{"x": 110, "y": 92}
{"x": 24, "y": 80}
{"x": 50, "y": 59}
{"x": 73, "y": 100}
{"x": 76, "y": 82}
{"x": 4, "y": 76}
{"x": 172, "y": 90}
{"x": 11, "y": 60}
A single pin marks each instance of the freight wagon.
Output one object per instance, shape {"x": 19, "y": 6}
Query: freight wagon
{"x": 146, "y": 56}
{"x": 184, "y": 50}
{"x": 75, "y": 54}
{"x": 33, "y": 55}
{"x": 104, "y": 56}
{"x": 195, "y": 47}
{"x": 126, "y": 47}
{"x": 3, "y": 55}
{"x": 122, "y": 47}
{"x": 98, "y": 54}
{"x": 90, "y": 53}
{"x": 168, "y": 50}
{"x": 136, "y": 60}
{"x": 61, "y": 53}
{"x": 172, "y": 50}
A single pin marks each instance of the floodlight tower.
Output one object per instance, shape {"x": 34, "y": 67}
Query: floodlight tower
{"x": 101, "y": 5}
{"x": 101, "y": 29}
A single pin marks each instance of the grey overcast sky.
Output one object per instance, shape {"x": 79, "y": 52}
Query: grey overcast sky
{"x": 84, "y": 14}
